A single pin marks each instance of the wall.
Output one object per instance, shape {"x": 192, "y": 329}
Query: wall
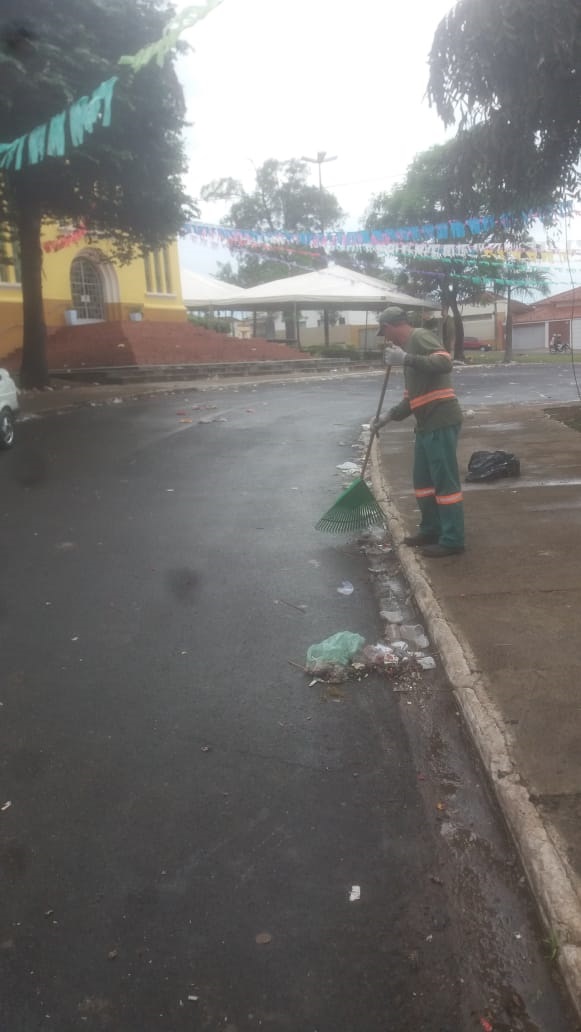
{"x": 529, "y": 337}
{"x": 311, "y": 320}
{"x": 345, "y": 335}
{"x": 481, "y": 327}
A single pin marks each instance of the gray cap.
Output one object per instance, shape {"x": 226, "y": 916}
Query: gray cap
{"x": 391, "y": 316}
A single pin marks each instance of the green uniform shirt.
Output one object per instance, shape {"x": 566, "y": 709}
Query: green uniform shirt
{"x": 428, "y": 387}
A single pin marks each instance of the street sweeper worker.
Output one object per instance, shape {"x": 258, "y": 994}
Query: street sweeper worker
{"x": 429, "y": 395}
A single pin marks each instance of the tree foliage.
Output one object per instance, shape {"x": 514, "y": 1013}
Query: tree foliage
{"x": 125, "y": 181}
{"x": 436, "y": 188}
{"x": 281, "y": 199}
{"x": 509, "y": 71}
{"x": 448, "y": 182}
{"x": 366, "y": 260}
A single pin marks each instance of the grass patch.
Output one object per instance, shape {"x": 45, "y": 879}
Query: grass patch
{"x": 538, "y": 357}
{"x": 552, "y": 947}
{"x": 569, "y": 415}
{"x": 545, "y": 358}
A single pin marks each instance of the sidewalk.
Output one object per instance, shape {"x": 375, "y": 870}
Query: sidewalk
{"x": 506, "y": 620}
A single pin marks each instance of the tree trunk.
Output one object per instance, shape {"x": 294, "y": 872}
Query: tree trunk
{"x": 459, "y": 327}
{"x": 508, "y": 331}
{"x": 34, "y": 367}
{"x": 326, "y": 326}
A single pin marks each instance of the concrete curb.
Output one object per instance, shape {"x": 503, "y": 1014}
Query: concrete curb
{"x": 552, "y": 880}
{"x": 67, "y": 398}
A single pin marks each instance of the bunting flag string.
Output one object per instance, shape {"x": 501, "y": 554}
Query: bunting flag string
{"x": 159, "y": 51}
{"x": 65, "y": 240}
{"x": 423, "y": 240}
{"x": 50, "y": 140}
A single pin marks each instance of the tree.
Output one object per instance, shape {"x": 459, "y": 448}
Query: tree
{"x": 263, "y": 266}
{"x": 453, "y": 282}
{"x": 441, "y": 185}
{"x": 366, "y": 260}
{"x": 124, "y": 181}
{"x": 510, "y": 72}
{"x": 281, "y": 199}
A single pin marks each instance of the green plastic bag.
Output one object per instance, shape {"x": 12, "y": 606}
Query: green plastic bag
{"x": 337, "y": 650}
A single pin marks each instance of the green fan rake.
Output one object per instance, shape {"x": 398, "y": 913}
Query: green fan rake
{"x": 356, "y": 508}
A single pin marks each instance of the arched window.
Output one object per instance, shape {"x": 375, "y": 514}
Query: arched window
{"x": 87, "y": 289}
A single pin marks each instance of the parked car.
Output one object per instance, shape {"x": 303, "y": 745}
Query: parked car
{"x": 9, "y": 407}
{"x": 473, "y": 344}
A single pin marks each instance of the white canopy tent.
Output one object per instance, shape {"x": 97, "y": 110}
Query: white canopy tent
{"x": 206, "y": 292}
{"x": 334, "y": 287}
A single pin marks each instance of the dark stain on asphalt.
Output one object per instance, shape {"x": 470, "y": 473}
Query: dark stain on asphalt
{"x": 183, "y": 583}
{"x": 13, "y": 859}
{"x": 30, "y": 467}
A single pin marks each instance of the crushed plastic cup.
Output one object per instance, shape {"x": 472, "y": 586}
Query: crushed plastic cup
{"x": 415, "y": 635}
{"x": 393, "y": 616}
{"x": 379, "y": 656}
{"x": 400, "y": 647}
{"x": 427, "y": 663}
{"x": 346, "y": 588}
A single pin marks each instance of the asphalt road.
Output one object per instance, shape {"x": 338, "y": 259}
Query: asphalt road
{"x": 518, "y": 384}
{"x": 177, "y": 789}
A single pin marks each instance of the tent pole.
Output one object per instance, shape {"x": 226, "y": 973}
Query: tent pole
{"x": 297, "y": 328}
{"x": 365, "y": 337}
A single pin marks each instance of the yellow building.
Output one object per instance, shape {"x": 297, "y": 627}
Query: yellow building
{"x": 82, "y": 284}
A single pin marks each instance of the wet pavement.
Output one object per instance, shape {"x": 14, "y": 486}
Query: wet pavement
{"x": 189, "y": 818}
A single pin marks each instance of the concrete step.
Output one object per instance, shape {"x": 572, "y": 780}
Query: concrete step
{"x": 194, "y": 371}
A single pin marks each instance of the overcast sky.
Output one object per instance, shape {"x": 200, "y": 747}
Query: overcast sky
{"x": 287, "y": 78}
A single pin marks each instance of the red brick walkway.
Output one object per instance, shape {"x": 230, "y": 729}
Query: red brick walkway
{"x": 152, "y": 343}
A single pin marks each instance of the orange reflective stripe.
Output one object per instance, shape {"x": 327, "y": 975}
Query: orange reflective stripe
{"x": 424, "y": 399}
{"x": 425, "y": 492}
{"x": 450, "y": 499}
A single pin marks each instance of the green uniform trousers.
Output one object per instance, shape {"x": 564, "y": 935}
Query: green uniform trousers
{"x": 437, "y": 486}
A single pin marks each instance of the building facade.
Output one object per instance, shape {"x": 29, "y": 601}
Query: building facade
{"x": 83, "y": 284}
{"x": 558, "y": 314}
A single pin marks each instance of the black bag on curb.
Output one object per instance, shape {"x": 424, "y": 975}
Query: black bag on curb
{"x": 491, "y": 465}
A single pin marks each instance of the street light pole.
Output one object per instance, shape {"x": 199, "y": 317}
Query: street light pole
{"x": 321, "y": 160}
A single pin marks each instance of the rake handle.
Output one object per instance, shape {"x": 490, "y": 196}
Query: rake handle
{"x": 377, "y": 415}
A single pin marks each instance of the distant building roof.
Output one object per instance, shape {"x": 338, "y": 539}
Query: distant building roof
{"x": 566, "y": 305}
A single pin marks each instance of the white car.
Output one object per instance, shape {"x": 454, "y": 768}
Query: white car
{"x": 9, "y": 407}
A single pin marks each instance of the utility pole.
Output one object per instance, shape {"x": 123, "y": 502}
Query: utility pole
{"x": 508, "y": 330}
{"x": 322, "y": 159}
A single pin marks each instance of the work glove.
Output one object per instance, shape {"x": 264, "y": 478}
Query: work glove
{"x": 394, "y": 355}
{"x": 376, "y": 424}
